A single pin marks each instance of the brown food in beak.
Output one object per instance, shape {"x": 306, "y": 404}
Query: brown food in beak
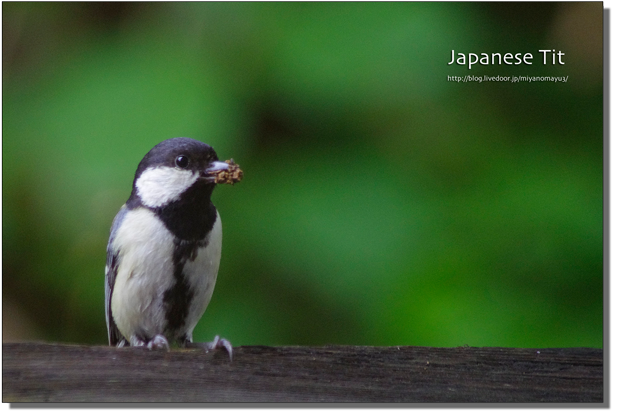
{"x": 231, "y": 175}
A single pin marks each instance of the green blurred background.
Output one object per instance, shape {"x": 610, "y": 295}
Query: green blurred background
{"x": 381, "y": 205}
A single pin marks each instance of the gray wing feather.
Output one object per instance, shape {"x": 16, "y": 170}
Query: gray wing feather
{"x": 114, "y": 335}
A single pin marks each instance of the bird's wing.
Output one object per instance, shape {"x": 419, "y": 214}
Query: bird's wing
{"x": 111, "y": 269}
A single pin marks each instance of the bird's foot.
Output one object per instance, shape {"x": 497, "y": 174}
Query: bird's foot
{"x": 217, "y": 342}
{"x": 134, "y": 341}
{"x": 158, "y": 342}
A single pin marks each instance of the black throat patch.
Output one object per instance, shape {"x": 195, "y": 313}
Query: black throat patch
{"x": 193, "y": 215}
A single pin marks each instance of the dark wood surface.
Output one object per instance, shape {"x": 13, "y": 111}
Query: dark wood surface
{"x": 34, "y": 372}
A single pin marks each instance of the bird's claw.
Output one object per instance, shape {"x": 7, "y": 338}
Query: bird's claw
{"x": 215, "y": 344}
{"x": 158, "y": 342}
{"x": 221, "y": 343}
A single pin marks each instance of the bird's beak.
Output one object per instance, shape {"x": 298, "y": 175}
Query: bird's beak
{"x": 223, "y": 172}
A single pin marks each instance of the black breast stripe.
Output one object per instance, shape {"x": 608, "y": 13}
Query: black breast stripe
{"x": 179, "y": 297}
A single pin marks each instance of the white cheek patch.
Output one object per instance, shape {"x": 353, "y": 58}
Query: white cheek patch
{"x": 159, "y": 186}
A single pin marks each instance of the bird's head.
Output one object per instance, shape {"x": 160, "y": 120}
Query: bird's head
{"x": 174, "y": 166}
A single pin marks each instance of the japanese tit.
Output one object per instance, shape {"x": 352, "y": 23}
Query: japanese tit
{"x": 164, "y": 248}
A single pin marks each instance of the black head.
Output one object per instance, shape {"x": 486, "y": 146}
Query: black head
{"x": 180, "y": 152}
{"x": 173, "y": 167}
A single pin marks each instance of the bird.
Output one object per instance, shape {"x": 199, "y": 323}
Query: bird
{"x": 164, "y": 248}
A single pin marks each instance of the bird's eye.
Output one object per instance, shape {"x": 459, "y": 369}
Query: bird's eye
{"x": 182, "y": 161}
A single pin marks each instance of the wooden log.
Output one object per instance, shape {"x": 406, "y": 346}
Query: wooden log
{"x": 33, "y": 372}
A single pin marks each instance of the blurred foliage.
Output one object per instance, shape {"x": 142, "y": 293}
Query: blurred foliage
{"x": 381, "y": 203}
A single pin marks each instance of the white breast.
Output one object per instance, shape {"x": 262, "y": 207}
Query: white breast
{"x": 145, "y": 272}
{"x": 202, "y": 274}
